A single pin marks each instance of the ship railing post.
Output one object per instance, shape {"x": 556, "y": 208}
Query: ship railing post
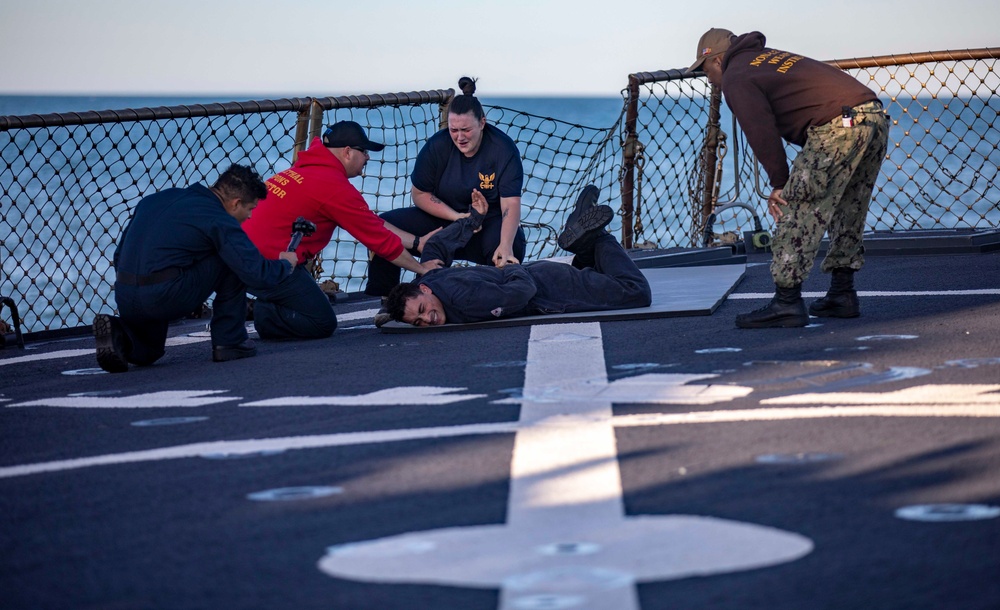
{"x": 302, "y": 129}
{"x": 710, "y": 160}
{"x": 629, "y": 150}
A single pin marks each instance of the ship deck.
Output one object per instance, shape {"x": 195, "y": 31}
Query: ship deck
{"x": 670, "y": 462}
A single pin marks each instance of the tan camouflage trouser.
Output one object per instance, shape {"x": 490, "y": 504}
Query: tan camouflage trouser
{"x": 829, "y": 189}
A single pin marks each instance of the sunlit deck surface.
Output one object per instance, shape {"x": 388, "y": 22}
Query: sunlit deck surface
{"x": 674, "y": 462}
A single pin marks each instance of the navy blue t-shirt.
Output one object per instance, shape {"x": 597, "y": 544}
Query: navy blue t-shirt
{"x": 495, "y": 170}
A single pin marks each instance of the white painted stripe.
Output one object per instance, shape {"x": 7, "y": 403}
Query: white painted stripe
{"x": 567, "y": 540}
{"x": 565, "y": 453}
{"x": 75, "y": 353}
{"x": 198, "y": 337}
{"x": 364, "y": 314}
{"x": 944, "y": 395}
{"x": 406, "y": 395}
{"x": 66, "y": 353}
{"x": 824, "y": 412}
{"x": 882, "y": 293}
{"x": 153, "y": 400}
{"x": 253, "y": 446}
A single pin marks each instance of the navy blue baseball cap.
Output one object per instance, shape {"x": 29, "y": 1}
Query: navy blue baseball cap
{"x": 348, "y": 133}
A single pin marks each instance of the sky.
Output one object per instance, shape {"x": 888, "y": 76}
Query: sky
{"x": 281, "y": 48}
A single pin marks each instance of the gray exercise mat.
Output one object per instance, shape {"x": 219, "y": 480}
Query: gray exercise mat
{"x": 677, "y": 291}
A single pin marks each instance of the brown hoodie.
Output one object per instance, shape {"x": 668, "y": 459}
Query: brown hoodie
{"x": 775, "y": 94}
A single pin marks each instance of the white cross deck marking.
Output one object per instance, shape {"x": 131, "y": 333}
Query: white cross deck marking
{"x": 925, "y": 395}
{"x": 73, "y": 353}
{"x": 169, "y": 398}
{"x": 411, "y": 395}
{"x": 566, "y": 536}
{"x": 253, "y": 446}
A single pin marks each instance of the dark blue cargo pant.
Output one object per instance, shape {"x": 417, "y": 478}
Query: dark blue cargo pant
{"x": 146, "y": 311}
{"x": 294, "y": 309}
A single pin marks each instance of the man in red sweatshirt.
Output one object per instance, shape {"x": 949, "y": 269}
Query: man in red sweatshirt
{"x": 317, "y": 187}
{"x": 842, "y": 129}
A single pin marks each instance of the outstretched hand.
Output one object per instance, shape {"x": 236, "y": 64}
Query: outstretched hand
{"x": 430, "y": 265}
{"x": 423, "y": 240}
{"x": 479, "y": 202}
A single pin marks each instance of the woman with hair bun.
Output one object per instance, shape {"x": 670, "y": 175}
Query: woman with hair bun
{"x": 469, "y": 155}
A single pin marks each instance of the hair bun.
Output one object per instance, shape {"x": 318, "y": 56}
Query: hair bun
{"x": 467, "y": 85}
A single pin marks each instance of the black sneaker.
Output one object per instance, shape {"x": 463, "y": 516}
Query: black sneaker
{"x": 225, "y": 353}
{"x": 110, "y": 343}
{"x": 581, "y": 232}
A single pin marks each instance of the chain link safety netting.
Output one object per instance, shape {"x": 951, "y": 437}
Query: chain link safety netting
{"x": 940, "y": 170}
{"x": 68, "y": 182}
{"x": 559, "y": 158}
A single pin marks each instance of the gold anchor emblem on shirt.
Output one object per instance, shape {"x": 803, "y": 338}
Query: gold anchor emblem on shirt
{"x": 486, "y": 182}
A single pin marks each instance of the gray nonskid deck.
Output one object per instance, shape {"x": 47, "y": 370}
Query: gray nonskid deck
{"x": 428, "y": 455}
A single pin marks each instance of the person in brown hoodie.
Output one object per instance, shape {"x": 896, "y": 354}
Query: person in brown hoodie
{"x": 839, "y": 123}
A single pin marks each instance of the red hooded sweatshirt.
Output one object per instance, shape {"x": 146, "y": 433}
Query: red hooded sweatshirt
{"x": 316, "y": 187}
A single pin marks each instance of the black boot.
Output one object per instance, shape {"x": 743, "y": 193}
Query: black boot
{"x": 579, "y": 236}
{"x": 112, "y": 343}
{"x": 841, "y": 301}
{"x": 786, "y": 310}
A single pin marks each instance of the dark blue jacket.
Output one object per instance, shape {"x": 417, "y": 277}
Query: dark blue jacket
{"x": 181, "y": 226}
{"x": 476, "y": 294}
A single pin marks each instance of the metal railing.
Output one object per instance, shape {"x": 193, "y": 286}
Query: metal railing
{"x": 69, "y": 181}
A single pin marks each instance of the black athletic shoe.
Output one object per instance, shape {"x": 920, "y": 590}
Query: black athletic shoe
{"x": 583, "y": 230}
{"x": 110, "y": 343}
{"x": 225, "y": 353}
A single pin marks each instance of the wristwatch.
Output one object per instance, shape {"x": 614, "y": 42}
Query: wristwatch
{"x": 416, "y": 242}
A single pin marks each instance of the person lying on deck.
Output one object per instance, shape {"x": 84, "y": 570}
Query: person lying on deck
{"x": 602, "y": 276}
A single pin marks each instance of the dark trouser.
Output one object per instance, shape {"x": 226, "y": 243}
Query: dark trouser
{"x": 146, "y": 311}
{"x": 611, "y": 281}
{"x": 294, "y": 309}
{"x": 383, "y": 275}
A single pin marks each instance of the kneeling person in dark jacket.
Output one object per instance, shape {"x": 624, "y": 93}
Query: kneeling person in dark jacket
{"x": 181, "y": 245}
{"x": 602, "y": 276}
